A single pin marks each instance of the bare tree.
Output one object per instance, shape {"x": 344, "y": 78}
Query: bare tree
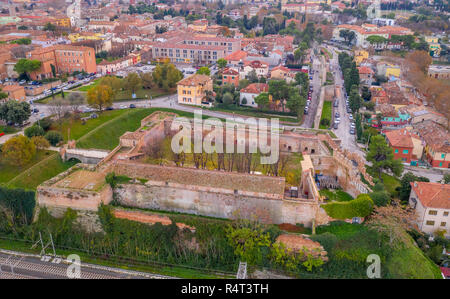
{"x": 75, "y": 100}
{"x": 59, "y": 108}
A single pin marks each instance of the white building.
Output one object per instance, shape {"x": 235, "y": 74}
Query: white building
{"x": 431, "y": 202}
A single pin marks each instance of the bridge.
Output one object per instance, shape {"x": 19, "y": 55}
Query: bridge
{"x": 86, "y": 156}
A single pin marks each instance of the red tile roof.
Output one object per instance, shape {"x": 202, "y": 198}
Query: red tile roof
{"x": 400, "y": 138}
{"x": 237, "y": 56}
{"x": 432, "y": 195}
{"x": 256, "y": 88}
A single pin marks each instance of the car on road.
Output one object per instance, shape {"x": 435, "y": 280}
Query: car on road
{"x": 336, "y": 115}
{"x": 352, "y": 131}
{"x": 337, "y": 120}
{"x": 336, "y": 126}
{"x": 35, "y": 110}
{"x": 350, "y": 117}
{"x": 109, "y": 108}
{"x": 132, "y": 106}
{"x": 336, "y": 103}
{"x": 123, "y": 106}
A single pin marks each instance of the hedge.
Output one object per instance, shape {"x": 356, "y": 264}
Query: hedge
{"x": 362, "y": 206}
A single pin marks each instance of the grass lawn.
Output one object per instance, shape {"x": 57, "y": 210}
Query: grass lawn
{"x": 336, "y": 195}
{"x": 390, "y": 182}
{"x": 107, "y": 137}
{"x": 258, "y": 114}
{"x": 8, "y": 172}
{"x": 39, "y": 173}
{"x": 89, "y": 86}
{"x": 77, "y": 129}
{"x": 326, "y": 113}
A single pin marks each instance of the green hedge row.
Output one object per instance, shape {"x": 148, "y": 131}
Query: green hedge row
{"x": 20, "y": 202}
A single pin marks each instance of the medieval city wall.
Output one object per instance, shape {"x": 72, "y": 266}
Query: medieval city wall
{"x": 208, "y": 202}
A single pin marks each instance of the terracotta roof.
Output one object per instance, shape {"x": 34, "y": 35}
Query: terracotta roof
{"x": 237, "y": 56}
{"x": 229, "y": 71}
{"x": 432, "y": 195}
{"x": 365, "y": 70}
{"x": 400, "y": 138}
{"x": 434, "y": 135}
{"x": 256, "y": 88}
{"x": 195, "y": 80}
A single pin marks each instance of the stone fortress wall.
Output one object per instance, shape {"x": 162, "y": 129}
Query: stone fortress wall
{"x": 203, "y": 192}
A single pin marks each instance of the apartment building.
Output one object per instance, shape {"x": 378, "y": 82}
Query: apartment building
{"x": 431, "y": 202}
{"x": 75, "y": 58}
{"x": 194, "y": 89}
{"x": 187, "y": 53}
{"x": 63, "y": 59}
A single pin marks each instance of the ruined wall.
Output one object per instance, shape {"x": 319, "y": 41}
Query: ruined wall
{"x": 201, "y": 201}
{"x": 89, "y": 220}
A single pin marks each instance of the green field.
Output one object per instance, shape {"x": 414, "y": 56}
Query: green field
{"x": 89, "y": 86}
{"x": 391, "y": 183}
{"x": 326, "y": 113}
{"x": 41, "y": 172}
{"x": 8, "y": 172}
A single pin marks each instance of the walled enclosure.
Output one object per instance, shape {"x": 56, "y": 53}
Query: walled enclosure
{"x": 201, "y": 192}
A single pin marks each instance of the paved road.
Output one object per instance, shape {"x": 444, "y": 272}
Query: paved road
{"x": 316, "y": 83}
{"x": 14, "y": 265}
{"x": 348, "y": 141}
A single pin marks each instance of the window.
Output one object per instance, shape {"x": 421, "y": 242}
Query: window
{"x": 429, "y": 222}
{"x": 442, "y": 156}
{"x": 405, "y": 151}
{"x": 396, "y": 151}
{"x": 440, "y": 164}
{"x": 443, "y": 224}
{"x": 432, "y": 212}
{"x": 445, "y": 213}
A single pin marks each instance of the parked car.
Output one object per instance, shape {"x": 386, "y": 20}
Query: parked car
{"x": 350, "y": 117}
{"x": 132, "y": 106}
{"x": 336, "y": 125}
{"x": 109, "y": 108}
{"x": 352, "y": 131}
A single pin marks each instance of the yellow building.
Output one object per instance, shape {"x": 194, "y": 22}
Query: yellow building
{"x": 434, "y": 46}
{"x": 194, "y": 89}
{"x": 62, "y": 21}
{"x": 76, "y": 37}
{"x": 360, "y": 56}
{"x": 393, "y": 70}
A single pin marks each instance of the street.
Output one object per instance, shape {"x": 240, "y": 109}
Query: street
{"x": 316, "y": 83}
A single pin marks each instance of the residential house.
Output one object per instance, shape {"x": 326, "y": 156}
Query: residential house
{"x": 365, "y": 75}
{"x": 282, "y": 73}
{"x": 360, "y": 56}
{"x": 194, "y": 90}
{"x": 236, "y": 58}
{"x": 406, "y": 145}
{"x": 437, "y": 143}
{"x": 431, "y": 202}
{"x": 261, "y": 68}
{"x": 250, "y": 92}
{"x": 230, "y": 76}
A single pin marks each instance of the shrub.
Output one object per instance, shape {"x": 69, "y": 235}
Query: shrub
{"x": 40, "y": 142}
{"x": 54, "y": 137}
{"x": 327, "y": 240}
{"x": 18, "y": 150}
{"x": 45, "y": 123}
{"x": 325, "y": 122}
{"x": 20, "y": 202}
{"x": 33, "y": 131}
{"x": 362, "y": 206}
{"x": 380, "y": 198}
